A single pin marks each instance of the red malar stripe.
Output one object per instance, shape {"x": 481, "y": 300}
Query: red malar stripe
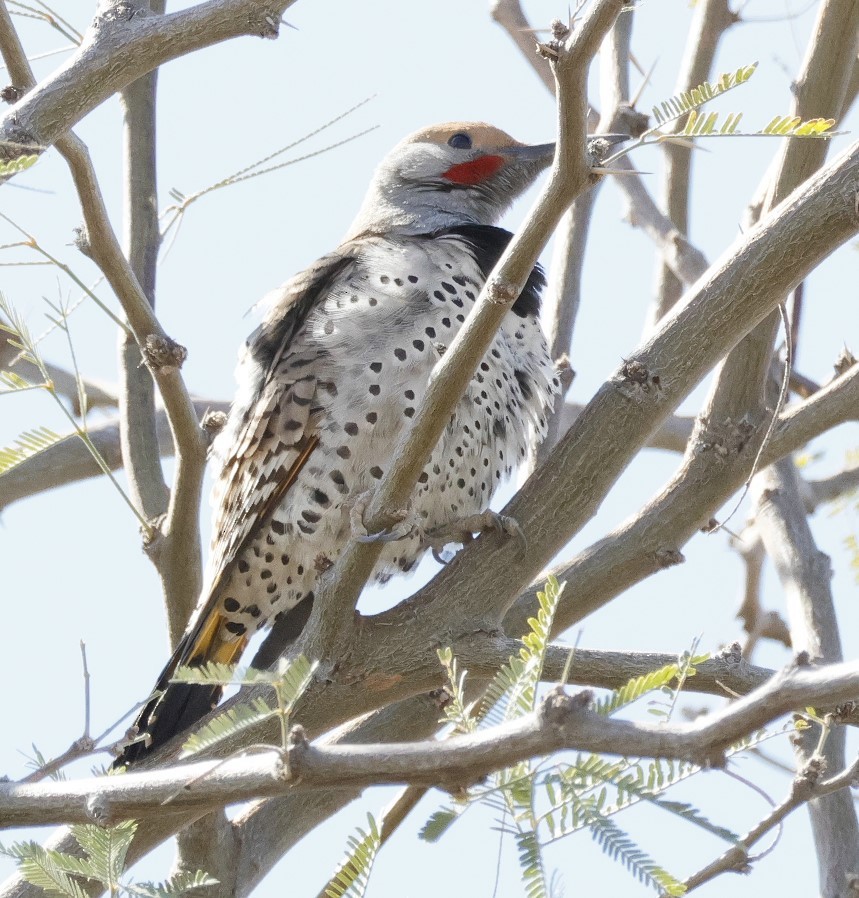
{"x": 475, "y": 171}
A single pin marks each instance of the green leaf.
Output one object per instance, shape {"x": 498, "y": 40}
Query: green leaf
{"x": 293, "y": 677}
{"x": 14, "y": 383}
{"x": 635, "y": 688}
{"x": 233, "y": 721}
{"x": 439, "y": 823}
{"x": 28, "y": 444}
{"x": 213, "y": 673}
{"x": 353, "y": 872}
{"x": 178, "y": 884}
{"x": 619, "y": 847}
{"x": 531, "y": 865}
{"x": 455, "y": 711}
{"x": 688, "y": 101}
{"x": 39, "y": 867}
{"x": 14, "y": 166}
{"x": 512, "y": 692}
{"x": 106, "y": 848}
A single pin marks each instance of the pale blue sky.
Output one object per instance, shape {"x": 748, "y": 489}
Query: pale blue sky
{"x": 72, "y": 564}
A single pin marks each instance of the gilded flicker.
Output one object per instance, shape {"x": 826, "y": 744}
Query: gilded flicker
{"x": 333, "y": 376}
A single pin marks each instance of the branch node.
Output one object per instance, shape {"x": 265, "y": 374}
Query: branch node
{"x": 153, "y": 538}
{"x": 844, "y": 362}
{"x": 732, "y": 654}
{"x": 558, "y": 708}
{"x": 98, "y": 809}
{"x": 213, "y": 422}
{"x": 636, "y": 382}
{"x": 297, "y": 747}
{"x": 162, "y": 354}
{"x": 501, "y": 293}
{"x": 668, "y": 557}
{"x": 11, "y": 94}
{"x": 726, "y": 439}
{"x": 80, "y": 239}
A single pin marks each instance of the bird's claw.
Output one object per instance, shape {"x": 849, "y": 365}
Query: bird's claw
{"x": 463, "y": 530}
{"x": 401, "y": 530}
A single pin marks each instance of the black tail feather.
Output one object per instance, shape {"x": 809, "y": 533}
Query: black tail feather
{"x": 174, "y": 708}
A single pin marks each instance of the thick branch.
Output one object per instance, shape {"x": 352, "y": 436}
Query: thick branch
{"x": 124, "y": 42}
{"x": 562, "y": 722}
{"x": 716, "y": 465}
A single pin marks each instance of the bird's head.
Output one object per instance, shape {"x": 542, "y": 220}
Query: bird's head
{"x": 446, "y": 175}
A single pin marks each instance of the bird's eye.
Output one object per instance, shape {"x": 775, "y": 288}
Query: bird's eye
{"x": 460, "y": 141}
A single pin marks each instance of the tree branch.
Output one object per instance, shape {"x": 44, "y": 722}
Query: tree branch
{"x": 805, "y": 574}
{"x": 562, "y": 722}
{"x": 123, "y": 43}
{"x": 142, "y": 238}
{"x": 806, "y": 788}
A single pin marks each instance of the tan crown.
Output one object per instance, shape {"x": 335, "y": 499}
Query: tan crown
{"x": 483, "y": 136}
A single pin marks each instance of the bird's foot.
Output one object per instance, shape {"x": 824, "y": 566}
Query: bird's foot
{"x": 462, "y": 531}
{"x": 404, "y": 526}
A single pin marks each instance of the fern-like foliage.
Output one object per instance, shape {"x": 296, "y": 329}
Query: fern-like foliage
{"x": 14, "y": 166}
{"x": 176, "y": 885}
{"x": 225, "y": 725}
{"x": 531, "y": 864}
{"x": 352, "y": 875}
{"x": 456, "y": 712}
{"x": 687, "y": 101}
{"x": 698, "y": 124}
{"x": 104, "y": 853}
{"x": 38, "y": 440}
{"x": 621, "y": 848}
{"x": 635, "y": 688}
{"x": 794, "y": 126}
{"x": 288, "y": 682}
{"x": 512, "y": 692}
{"x": 540, "y": 808}
{"x": 28, "y": 444}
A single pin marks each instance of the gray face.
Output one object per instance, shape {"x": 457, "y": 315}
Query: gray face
{"x": 463, "y": 172}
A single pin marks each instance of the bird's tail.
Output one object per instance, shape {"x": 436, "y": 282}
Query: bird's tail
{"x": 176, "y": 707}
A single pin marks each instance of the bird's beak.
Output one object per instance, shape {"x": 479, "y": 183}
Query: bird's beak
{"x": 541, "y": 154}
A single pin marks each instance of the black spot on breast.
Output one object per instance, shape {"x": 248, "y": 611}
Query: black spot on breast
{"x": 488, "y": 243}
{"x": 231, "y": 605}
{"x": 235, "y": 628}
{"x": 524, "y": 383}
{"x": 499, "y": 429}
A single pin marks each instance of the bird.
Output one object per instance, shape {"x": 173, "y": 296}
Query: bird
{"x": 333, "y": 376}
